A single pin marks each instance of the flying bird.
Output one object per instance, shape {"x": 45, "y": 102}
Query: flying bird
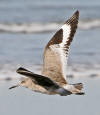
{"x": 52, "y": 80}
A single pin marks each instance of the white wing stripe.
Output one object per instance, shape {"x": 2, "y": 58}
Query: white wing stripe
{"x": 59, "y": 48}
{"x": 66, "y": 34}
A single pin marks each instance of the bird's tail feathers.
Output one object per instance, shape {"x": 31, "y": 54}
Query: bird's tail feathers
{"x": 78, "y": 88}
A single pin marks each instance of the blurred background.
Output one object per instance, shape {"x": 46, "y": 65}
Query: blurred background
{"x": 25, "y": 28}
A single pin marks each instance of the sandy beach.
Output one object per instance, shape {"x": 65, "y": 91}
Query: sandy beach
{"x": 25, "y": 29}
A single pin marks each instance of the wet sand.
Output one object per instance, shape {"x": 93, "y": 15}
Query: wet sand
{"x": 23, "y": 101}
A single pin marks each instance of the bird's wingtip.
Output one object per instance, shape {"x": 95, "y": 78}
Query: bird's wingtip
{"x": 20, "y": 69}
{"x": 76, "y": 13}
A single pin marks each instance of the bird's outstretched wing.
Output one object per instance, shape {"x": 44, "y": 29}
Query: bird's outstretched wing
{"x": 43, "y": 81}
{"x": 38, "y": 79}
{"x": 56, "y": 51}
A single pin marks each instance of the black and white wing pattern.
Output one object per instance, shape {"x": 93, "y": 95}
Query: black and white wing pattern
{"x": 56, "y": 51}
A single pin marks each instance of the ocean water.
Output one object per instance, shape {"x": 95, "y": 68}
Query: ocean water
{"x": 27, "y": 26}
{"x": 26, "y": 50}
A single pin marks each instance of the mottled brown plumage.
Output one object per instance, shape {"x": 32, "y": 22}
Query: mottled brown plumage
{"x": 52, "y": 65}
{"x": 53, "y": 77}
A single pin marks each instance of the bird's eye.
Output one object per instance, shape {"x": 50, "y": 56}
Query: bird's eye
{"x": 23, "y": 82}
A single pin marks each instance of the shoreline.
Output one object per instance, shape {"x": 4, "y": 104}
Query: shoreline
{"x": 70, "y": 74}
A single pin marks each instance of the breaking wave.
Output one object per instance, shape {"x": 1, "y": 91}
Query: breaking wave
{"x": 75, "y": 71}
{"x": 44, "y": 27}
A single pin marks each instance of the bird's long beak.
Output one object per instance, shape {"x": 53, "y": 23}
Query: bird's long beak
{"x": 14, "y": 86}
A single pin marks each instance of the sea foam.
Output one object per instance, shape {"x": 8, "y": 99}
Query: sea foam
{"x": 44, "y": 27}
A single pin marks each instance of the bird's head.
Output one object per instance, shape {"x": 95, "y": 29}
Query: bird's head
{"x": 23, "y": 83}
{"x": 26, "y": 82}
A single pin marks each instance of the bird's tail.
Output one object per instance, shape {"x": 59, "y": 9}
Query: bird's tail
{"x": 78, "y": 88}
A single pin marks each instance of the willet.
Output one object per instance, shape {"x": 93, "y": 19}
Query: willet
{"x": 53, "y": 77}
